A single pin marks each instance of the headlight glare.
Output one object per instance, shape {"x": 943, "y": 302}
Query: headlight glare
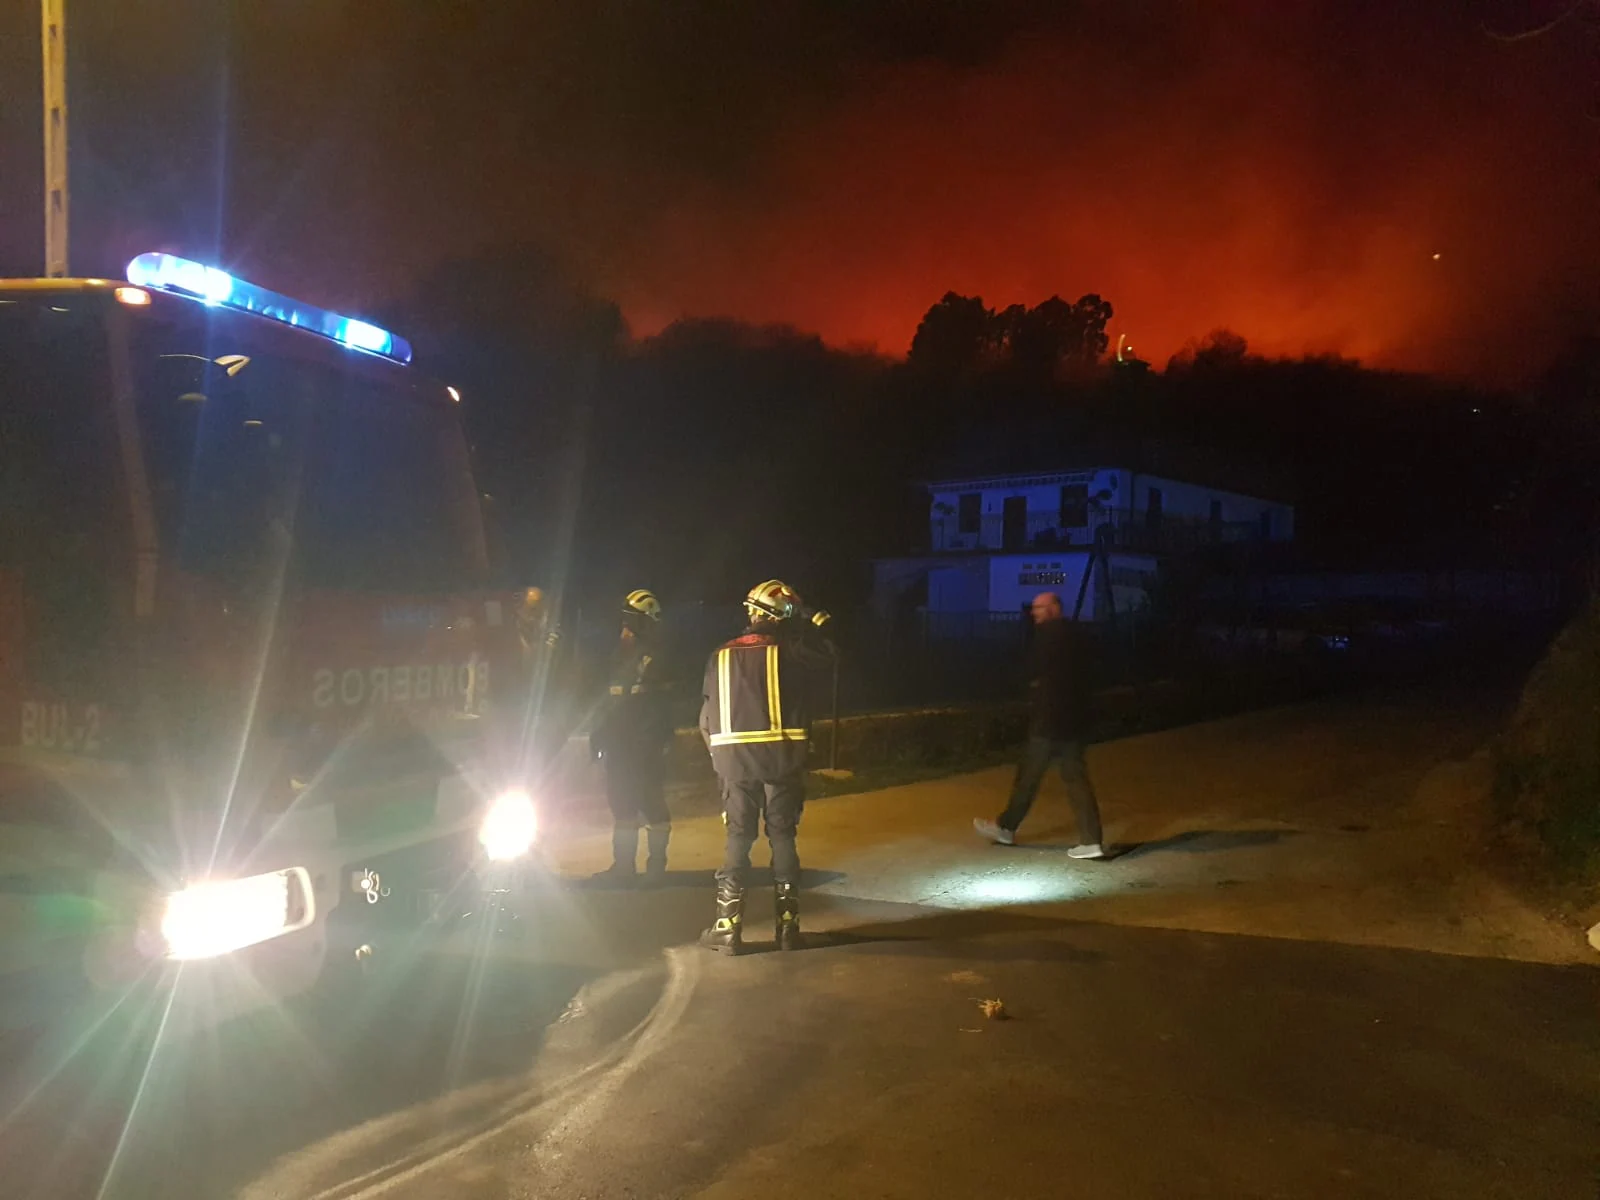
{"x": 509, "y": 827}
{"x": 217, "y": 917}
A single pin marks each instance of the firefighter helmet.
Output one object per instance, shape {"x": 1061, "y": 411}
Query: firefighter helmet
{"x": 773, "y": 600}
{"x": 642, "y": 603}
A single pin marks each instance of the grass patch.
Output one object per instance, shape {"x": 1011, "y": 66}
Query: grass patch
{"x": 888, "y": 775}
{"x": 699, "y": 796}
{"x": 1547, "y": 763}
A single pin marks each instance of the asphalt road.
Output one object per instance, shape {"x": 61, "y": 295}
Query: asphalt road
{"x": 137, "y": 1106}
{"x": 1136, "y": 1063}
{"x": 1296, "y": 981}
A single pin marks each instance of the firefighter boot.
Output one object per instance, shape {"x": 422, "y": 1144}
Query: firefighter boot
{"x": 726, "y": 935}
{"x": 656, "y": 838}
{"x": 786, "y": 916}
{"x": 624, "y": 857}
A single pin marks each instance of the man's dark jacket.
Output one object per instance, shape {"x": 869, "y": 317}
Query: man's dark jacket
{"x": 1061, "y": 687}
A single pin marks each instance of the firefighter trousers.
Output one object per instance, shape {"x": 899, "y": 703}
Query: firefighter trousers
{"x": 746, "y": 802}
{"x": 636, "y": 793}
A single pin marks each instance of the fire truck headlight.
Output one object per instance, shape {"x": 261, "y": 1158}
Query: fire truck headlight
{"x": 509, "y": 827}
{"x": 217, "y": 917}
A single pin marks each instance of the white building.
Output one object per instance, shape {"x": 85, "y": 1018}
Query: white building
{"x": 996, "y": 541}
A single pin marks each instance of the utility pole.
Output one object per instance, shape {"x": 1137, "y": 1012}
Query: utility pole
{"x": 54, "y": 41}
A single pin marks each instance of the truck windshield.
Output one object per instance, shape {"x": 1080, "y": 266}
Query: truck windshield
{"x": 59, "y": 519}
{"x": 251, "y": 452}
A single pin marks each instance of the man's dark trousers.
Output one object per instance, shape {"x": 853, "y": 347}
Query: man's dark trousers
{"x": 1036, "y": 760}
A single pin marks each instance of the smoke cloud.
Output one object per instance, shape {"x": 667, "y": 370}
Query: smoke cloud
{"x": 1413, "y": 194}
{"x": 1363, "y": 177}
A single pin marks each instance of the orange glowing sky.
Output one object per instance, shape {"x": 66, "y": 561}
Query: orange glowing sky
{"x": 1433, "y": 221}
{"x": 1285, "y": 169}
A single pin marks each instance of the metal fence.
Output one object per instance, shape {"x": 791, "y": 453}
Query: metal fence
{"x": 963, "y": 659}
{"x": 914, "y": 662}
{"x": 988, "y": 628}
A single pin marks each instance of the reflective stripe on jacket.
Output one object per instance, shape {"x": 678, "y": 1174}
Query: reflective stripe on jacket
{"x": 634, "y": 716}
{"x": 756, "y": 710}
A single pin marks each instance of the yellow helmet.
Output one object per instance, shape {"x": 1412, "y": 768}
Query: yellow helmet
{"x": 643, "y": 602}
{"x": 773, "y": 600}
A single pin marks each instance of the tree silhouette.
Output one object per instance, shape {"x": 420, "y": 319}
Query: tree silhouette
{"x": 1218, "y": 350}
{"x": 957, "y": 337}
{"x": 960, "y": 337}
{"x": 527, "y": 349}
{"x": 1090, "y": 315}
{"x": 1036, "y": 339}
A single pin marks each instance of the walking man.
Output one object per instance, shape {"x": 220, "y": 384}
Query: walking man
{"x": 1060, "y": 690}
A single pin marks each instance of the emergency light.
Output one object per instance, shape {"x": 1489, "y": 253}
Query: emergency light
{"x": 213, "y": 286}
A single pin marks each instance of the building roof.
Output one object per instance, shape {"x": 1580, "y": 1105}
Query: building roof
{"x": 1014, "y": 478}
{"x": 1004, "y": 461}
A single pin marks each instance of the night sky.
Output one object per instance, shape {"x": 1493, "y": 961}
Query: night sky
{"x": 1349, "y": 177}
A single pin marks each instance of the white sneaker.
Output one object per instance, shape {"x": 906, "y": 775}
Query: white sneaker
{"x": 1087, "y": 850}
{"x": 998, "y": 834}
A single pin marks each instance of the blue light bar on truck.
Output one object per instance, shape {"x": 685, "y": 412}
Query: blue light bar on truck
{"x": 169, "y": 273}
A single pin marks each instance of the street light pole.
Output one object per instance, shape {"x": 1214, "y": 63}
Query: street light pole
{"x": 54, "y": 43}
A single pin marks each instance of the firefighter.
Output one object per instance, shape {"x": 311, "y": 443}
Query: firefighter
{"x": 630, "y": 739}
{"x": 535, "y": 628}
{"x": 547, "y": 683}
{"x": 755, "y": 719}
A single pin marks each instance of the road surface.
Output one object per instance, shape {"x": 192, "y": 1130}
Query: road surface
{"x": 1296, "y": 980}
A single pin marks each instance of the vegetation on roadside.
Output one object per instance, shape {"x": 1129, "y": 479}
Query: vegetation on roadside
{"x": 1547, "y": 763}
{"x": 880, "y": 750}
{"x": 699, "y": 797}
{"x": 875, "y": 751}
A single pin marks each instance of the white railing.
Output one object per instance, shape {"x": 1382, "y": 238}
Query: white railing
{"x": 1148, "y": 532}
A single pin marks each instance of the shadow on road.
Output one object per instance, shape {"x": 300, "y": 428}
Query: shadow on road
{"x": 1201, "y": 841}
{"x": 932, "y": 931}
{"x": 925, "y": 931}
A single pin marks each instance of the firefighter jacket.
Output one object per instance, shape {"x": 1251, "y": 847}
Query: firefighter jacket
{"x": 758, "y": 702}
{"x": 635, "y": 716}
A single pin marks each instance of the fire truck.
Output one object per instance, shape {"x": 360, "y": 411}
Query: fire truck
{"x": 258, "y": 686}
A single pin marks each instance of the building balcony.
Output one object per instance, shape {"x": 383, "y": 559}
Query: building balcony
{"x": 1141, "y": 532}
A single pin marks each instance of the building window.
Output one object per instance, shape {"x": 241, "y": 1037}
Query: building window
{"x": 1266, "y": 524}
{"x": 1152, "y": 507}
{"x": 1216, "y": 512}
{"x": 1014, "y": 523}
{"x": 970, "y": 513}
{"x": 1074, "y": 506}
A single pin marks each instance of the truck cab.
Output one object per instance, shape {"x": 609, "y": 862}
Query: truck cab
{"x": 256, "y": 680}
